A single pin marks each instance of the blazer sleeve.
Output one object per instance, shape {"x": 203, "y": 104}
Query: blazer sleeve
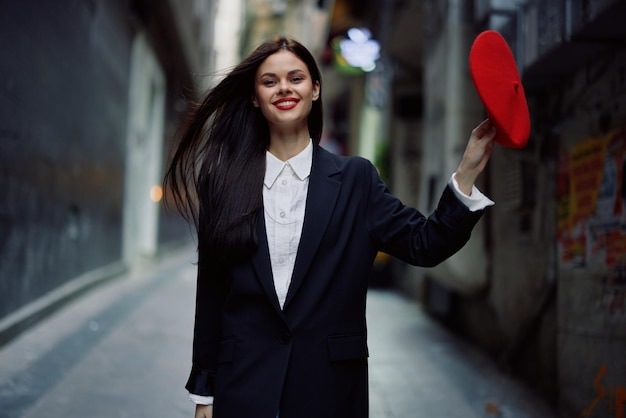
{"x": 405, "y": 233}
{"x": 210, "y": 294}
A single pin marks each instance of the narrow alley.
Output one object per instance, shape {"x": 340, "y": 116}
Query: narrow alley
{"x": 95, "y": 96}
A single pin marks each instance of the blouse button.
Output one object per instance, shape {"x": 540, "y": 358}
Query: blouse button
{"x": 282, "y": 214}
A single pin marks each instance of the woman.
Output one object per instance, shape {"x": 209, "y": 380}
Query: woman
{"x": 287, "y": 234}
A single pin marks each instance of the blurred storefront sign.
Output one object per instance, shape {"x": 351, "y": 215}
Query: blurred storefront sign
{"x": 357, "y": 53}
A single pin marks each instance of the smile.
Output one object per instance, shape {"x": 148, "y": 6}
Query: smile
{"x": 285, "y": 104}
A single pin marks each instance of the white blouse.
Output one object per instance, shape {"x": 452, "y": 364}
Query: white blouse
{"x": 284, "y": 199}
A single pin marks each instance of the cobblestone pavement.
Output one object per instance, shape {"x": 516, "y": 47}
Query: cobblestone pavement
{"x": 124, "y": 349}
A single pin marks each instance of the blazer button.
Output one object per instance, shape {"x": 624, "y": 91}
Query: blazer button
{"x": 284, "y": 338}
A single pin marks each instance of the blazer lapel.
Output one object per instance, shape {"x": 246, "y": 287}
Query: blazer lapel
{"x": 262, "y": 264}
{"x": 320, "y": 203}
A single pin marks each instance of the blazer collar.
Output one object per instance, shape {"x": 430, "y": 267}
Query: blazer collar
{"x": 322, "y": 195}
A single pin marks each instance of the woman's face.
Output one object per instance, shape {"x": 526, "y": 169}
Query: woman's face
{"x": 285, "y": 90}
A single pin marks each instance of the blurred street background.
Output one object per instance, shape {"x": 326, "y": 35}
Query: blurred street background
{"x": 96, "y": 276}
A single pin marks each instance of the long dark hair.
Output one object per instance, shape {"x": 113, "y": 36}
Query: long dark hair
{"x": 216, "y": 173}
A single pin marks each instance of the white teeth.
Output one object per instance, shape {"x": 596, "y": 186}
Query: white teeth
{"x": 289, "y": 103}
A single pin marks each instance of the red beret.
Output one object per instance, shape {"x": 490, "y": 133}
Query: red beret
{"x": 499, "y": 86}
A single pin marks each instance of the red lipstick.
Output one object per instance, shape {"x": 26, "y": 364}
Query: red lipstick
{"x": 286, "y": 103}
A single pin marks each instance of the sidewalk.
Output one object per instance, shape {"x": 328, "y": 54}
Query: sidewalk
{"x": 124, "y": 350}
{"x": 419, "y": 369}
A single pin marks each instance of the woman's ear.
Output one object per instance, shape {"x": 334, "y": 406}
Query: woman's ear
{"x": 316, "y": 91}
{"x": 254, "y": 102}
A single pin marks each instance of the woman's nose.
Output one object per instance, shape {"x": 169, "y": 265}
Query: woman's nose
{"x": 283, "y": 86}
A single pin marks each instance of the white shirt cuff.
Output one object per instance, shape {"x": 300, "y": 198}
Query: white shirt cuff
{"x": 476, "y": 201}
{"x": 201, "y": 400}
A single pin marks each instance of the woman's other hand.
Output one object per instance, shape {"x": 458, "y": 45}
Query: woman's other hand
{"x": 204, "y": 411}
{"x": 476, "y": 155}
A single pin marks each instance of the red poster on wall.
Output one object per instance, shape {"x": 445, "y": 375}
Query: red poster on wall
{"x": 591, "y": 208}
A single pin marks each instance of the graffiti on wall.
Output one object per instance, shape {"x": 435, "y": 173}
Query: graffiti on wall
{"x": 613, "y": 396}
{"x": 591, "y": 212}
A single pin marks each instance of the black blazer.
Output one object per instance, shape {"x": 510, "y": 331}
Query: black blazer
{"x": 310, "y": 358}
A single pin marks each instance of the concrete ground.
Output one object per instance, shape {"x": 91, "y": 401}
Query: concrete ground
{"x": 124, "y": 350}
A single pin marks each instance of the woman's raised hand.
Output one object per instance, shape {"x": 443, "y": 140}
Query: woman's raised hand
{"x": 476, "y": 155}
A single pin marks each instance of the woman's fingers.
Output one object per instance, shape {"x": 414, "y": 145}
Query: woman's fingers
{"x": 204, "y": 411}
{"x": 484, "y": 130}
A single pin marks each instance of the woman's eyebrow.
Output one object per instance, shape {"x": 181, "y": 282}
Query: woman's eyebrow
{"x": 292, "y": 72}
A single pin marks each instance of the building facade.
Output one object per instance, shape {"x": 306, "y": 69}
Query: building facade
{"x": 92, "y": 95}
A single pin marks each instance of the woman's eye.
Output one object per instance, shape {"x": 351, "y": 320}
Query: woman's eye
{"x": 269, "y": 83}
{"x": 296, "y": 79}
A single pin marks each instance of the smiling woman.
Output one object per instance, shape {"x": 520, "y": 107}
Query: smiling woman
{"x": 287, "y": 237}
{"x": 229, "y": 156}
